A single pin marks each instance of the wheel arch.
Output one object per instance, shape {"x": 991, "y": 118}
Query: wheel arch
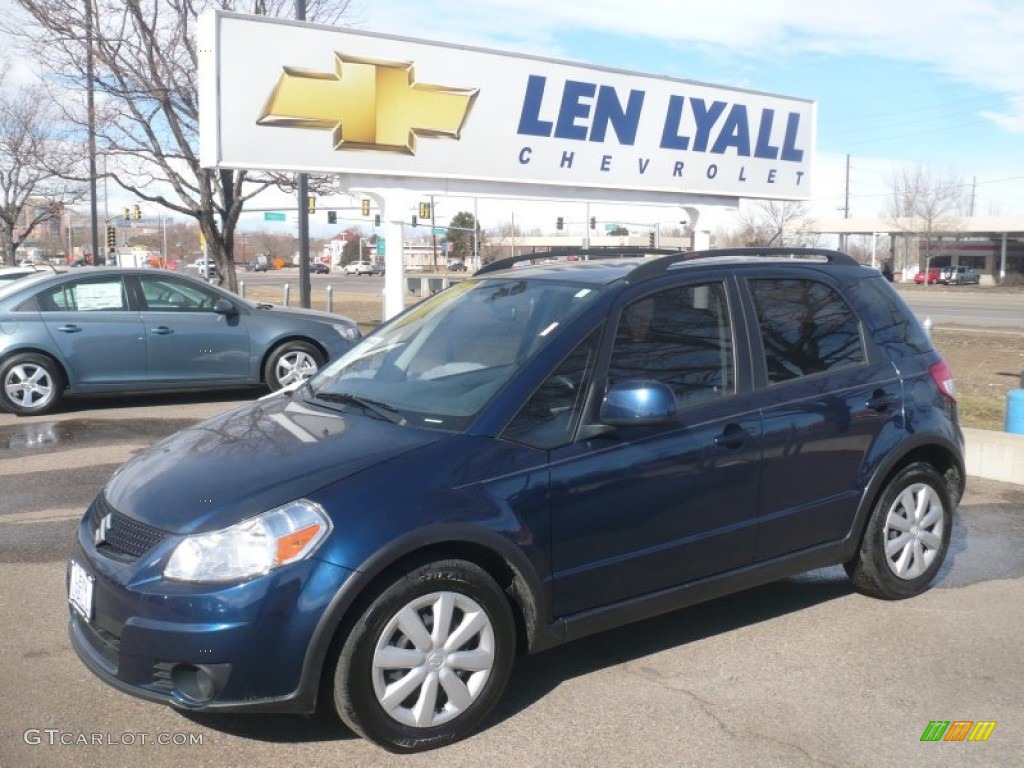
{"x": 7, "y": 355}
{"x": 500, "y": 559}
{"x": 945, "y": 458}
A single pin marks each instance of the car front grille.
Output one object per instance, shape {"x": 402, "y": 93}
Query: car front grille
{"x": 118, "y": 536}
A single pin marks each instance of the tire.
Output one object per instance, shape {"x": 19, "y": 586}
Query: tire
{"x": 290, "y": 362}
{"x": 31, "y": 384}
{"x": 379, "y": 662}
{"x": 907, "y": 536}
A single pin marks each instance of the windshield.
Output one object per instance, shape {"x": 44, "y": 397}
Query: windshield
{"x": 439, "y": 364}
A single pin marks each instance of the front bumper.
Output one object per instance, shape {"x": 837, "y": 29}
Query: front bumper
{"x": 239, "y": 646}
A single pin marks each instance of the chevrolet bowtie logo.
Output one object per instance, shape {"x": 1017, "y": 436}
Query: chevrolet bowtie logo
{"x": 368, "y": 105}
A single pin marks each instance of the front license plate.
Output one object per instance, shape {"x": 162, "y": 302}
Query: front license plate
{"x": 80, "y": 591}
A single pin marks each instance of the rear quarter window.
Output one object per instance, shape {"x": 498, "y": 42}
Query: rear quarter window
{"x": 806, "y": 328}
{"x": 888, "y": 320}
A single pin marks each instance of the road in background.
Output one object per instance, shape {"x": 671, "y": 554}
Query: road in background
{"x": 945, "y": 305}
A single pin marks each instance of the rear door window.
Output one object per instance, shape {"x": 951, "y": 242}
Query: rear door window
{"x": 806, "y": 328}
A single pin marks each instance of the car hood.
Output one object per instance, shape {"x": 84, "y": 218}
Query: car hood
{"x": 298, "y": 312}
{"x": 250, "y": 460}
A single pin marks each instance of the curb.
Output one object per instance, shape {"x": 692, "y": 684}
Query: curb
{"x": 994, "y": 455}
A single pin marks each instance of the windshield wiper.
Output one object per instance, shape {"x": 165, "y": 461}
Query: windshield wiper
{"x": 383, "y": 410}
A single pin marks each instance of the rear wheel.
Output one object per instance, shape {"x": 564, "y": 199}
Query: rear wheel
{"x": 428, "y": 659}
{"x": 907, "y": 536}
{"x": 30, "y": 384}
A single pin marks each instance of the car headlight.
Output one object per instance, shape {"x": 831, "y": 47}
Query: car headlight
{"x": 348, "y": 332}
{"x": 252, "y": 547}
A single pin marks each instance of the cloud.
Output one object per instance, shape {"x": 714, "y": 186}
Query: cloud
{"x": 968, "y": 41}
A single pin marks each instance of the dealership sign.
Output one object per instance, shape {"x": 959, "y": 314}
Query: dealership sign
{"x": 282, "y": 95}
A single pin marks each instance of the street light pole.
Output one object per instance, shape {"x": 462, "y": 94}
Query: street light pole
{"x": 91, "y": 110}
{"x": 303, "y": 193}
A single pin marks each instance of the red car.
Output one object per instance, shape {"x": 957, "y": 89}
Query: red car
{"x": 933, "y": 277}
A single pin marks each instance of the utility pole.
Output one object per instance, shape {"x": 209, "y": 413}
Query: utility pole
{"x": 90, "y": 102}
{"x": 974, "y": 186}
{"x": 433, "y": 231}
{"x": 303, "y": 195}
{"x": 846, "y": 204}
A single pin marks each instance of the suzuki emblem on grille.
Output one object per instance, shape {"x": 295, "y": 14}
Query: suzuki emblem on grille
{"x": 103, "y": 529}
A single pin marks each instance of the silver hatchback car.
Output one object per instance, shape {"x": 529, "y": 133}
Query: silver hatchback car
{"x": 113, "y": 330}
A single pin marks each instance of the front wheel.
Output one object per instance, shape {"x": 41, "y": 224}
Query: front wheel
{"x": 428, "y": 659}
{"x": 30, "y": 384}
{"x": 291, "y": 362}
{"x": 907, "y": 536}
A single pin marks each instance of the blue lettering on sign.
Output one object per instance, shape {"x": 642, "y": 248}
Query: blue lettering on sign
{"x": 735, "y": 133}
{"x": 764, "y": 148}
{"x": 573, "y": 108}
{"x": 600, "y": 114}
{"x": 670, "y": 138}
{"x": 789, "y": 150}
{"x": 579, "y": 118}
{"x": 529, "y": 119}
{"x": 609, "y": 111}
{"x": 705, "y": 118}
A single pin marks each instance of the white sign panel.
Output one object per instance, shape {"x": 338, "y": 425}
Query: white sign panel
{"x": 284, "y": 95}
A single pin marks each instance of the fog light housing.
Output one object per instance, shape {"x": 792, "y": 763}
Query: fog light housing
{"x": 198, "y": 683}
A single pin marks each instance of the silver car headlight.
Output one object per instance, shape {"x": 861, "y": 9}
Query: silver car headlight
{"x": 252, "y": 547}
{"x": 348, "y": 332}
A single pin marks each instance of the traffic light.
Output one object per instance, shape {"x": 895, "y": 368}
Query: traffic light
{"x": 138, "y": 213}
{"x": 559, "y": 223}
{"x": 366, "y": 207}
{"x": 111, "y": 236}
{"x": 312, "y": 204}
{"x": 414, "y": 222}
{"x": 424, "y": 210}
{"x": 650, "y": 239}
{"x": 332, "y": 217}
{"x": 376, "y": 220}
{"x": 127, "y": 213}
{"x": 593, "y": 222}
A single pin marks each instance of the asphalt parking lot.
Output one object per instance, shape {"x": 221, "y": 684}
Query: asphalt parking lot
{"x": 803, "y": 672}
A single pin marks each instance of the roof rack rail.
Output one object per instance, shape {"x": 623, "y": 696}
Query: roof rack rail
{"x": 585, "y": 254}
{"x": 660, "y": 266}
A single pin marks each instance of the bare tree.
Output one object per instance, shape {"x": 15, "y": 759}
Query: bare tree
{"x": 925, "y": 204}
{"x": 31, "y": 154}
{"x": 775, "y": 223}
{"x": 147, "y": 101}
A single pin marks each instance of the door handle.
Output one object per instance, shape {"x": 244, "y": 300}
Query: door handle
{"x": 69, "y": 328}
{"x": 880, "y": 401}
{"x": 161, "y": 330}
{"x": 732, "y": 437}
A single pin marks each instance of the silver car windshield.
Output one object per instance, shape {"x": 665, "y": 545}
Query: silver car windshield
{"x": 440, "y": 363}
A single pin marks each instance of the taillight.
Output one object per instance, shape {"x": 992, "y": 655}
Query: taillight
{"x": 943, "y": 378}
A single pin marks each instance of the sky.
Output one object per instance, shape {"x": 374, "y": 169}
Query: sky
{"x": 904, "y": 83}
{"x": 898, "y": 84}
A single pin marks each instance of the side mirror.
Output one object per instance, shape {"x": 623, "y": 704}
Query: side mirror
{"x": 638, "y": 402}
{"x": 225, "y": 307}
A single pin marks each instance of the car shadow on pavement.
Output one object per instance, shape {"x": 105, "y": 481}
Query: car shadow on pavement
{"x": 536, "y": 676}
{"x": 81, "y": 403}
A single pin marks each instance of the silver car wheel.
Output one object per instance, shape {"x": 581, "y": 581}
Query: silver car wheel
{"x": 913, "y": 531}
{"x": 295, "y": 365}
{"x": 433, "y": 659}
{"x": 29, "y": 385}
